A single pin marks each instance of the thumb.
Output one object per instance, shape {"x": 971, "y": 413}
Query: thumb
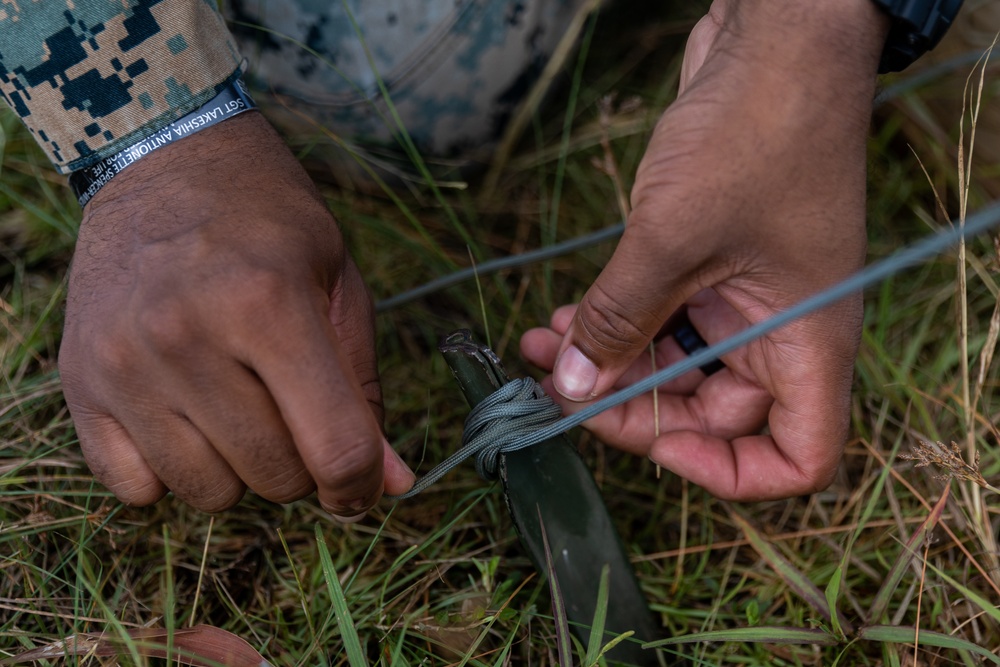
{"x": 700, "y": 43}
{"x": 619, "y": 315}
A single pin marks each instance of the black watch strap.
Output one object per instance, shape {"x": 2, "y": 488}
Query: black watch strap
{"x": 917, "y": 27}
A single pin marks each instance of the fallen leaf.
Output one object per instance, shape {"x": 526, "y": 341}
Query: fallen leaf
{"x": 200, "y": 646}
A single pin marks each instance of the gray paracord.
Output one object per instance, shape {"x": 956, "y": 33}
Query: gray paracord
{"x": 509, "y": 436}
{"x": 496, "y": 426}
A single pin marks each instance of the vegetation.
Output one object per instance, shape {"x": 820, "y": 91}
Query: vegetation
{"x": 843, "y": 577}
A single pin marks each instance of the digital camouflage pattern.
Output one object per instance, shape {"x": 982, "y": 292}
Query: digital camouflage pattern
{"x": 455, "y": 70}
{"x": 91, "y": 77}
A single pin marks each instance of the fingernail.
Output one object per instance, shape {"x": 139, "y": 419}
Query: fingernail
{"x": 575, "y": 375}
{"x": 358, "y": 505}
{"x": 347, "y": 511}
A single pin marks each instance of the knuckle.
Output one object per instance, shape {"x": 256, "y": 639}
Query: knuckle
{"x": 729, "y": 493}
{"x": 801, "y": 481}
{"x": 373, "y": 394}
{"x": 218, "y": 497}
{"x": 255, "y": 294}
{"x": 134, "y": 491}
{"x": 257, "y": 285}
{"x": 278, "y": 474}
{"x": 110, "y": 352}
{"x": 287, "y": 486}
{"x": 818, "y": 478}
{"x": 818, "y": 471}
{"x": 70, "y": 374}
{"x": 351, "y": 463}
{"x": 167, "y": 325}
{"x": 608, "y": 325}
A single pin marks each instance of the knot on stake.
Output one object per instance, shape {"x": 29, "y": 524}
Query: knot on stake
{"x": 501, "y": 423}
{"x": 502, "y": 420}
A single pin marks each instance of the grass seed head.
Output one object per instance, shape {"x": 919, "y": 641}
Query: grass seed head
{"x": 950, "y": 461}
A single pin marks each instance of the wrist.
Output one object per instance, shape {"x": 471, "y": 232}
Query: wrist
{"x": 224, "y": 167}
{"x": 827, "y": 36}
{"x": 228, "y": 103}
{"x": 190, "y": 179}
{"x": 801, "y": 61}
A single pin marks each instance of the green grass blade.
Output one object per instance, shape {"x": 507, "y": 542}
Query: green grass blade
{"x": 352, "y": 644}
{"x": 503, "y": 657}
{"x": 88, "y": 580}
{"x": 880, "y": 604}
{"x": 985, "y": 605}
{"x": 875, "y": 498}
{"x": 303, "y": 598}
{"x": 613, "y": 643}
{"x": 907, "y": 635}
{"x": 401, "y": 567}
{"x": 549, "y": 230}
{"x": 833, "y": 595}
{"x": 371, "y": 547}
{"x": 169, "y": 613}
{"x": 396, "y": 658}
{"x": 487, "y": 629}
{"x": 791, "y": 575}
{"x": 594, "y": 651}
{"x": 66, "y": 228}
{"x": 890, "y": 655}
{"x": 763, "y": 634}
{"x": 403, "y": 136}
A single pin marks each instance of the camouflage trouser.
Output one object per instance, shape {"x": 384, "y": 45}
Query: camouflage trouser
{"x": 455, "y": 70}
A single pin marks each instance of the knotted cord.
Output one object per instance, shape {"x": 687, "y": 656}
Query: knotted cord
{"x": 501, "y": 423}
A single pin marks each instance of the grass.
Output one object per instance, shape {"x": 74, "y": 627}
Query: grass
{"x": 839, "y": 578}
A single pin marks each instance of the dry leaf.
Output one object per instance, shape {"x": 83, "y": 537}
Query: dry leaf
{"x": 200, "y": 646}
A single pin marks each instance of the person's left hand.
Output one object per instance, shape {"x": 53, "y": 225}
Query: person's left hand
{"x": 219, "y": 337}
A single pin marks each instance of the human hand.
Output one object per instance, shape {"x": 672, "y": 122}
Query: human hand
{"x": 751, "y": 197}
{"x": 219, "y": 337}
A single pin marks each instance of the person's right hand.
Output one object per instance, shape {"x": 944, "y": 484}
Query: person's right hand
{"x": 749, "y": 199}
{"x": 219, "y": 337}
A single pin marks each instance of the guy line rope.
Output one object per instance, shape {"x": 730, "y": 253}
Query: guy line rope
{"x": 498, "y": 424}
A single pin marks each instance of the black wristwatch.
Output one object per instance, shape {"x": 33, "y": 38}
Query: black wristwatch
{"x": 917, "y": 27}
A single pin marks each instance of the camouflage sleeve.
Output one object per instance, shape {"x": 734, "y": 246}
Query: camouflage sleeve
{"x": 91, "y": 77}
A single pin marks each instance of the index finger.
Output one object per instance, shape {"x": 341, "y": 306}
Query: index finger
{"x": 304, "y": 366}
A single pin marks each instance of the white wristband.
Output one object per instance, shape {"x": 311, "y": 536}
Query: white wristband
{"x": 233, "y": 100}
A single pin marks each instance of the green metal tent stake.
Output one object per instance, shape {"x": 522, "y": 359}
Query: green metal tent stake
{"x": 551, "y": 482}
